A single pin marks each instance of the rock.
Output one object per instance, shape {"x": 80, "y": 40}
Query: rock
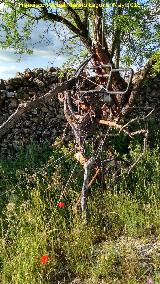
{"x": 18, "y": 75}
{"x": 27, "y": 123}
{"x": 9, "y": 94}
{"x": 40, "y": 76}
{"x": 35, "y": 119}
{"x": 30, "y": 79}
{"x": 17, "y": 130}
{"x": 38, "y": 82}
{"x": 27, "y": 70}
{"x": 26, "y": 130}
{"x": 52, "y": 69}
{"x": 47, "y": 121}
{"x": 44, "y": 109}
{"x": 46, "y": 133}
{"x": 28, "y": 73}
{"x": 34, "y": 111}
{"x": 51, "y": 108}
{"x": 153, "y": 94}
{"x": 32, "y": 93}
{"x": 54, "y": 79}
{"x": 26, "y": 96}
{"x": 9, "y": 88}
{"x": 2, "y": 84}
{"x": 2, "y": 94}
{"x": 13, "y": 103}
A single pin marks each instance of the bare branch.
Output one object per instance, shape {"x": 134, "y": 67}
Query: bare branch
{"x": 133, "y": 165}
{"x": 76, "y": 17}
{"x": 87, "y": 169}
{"x": 137, "y": 119}
{"x": 23, "y": 108}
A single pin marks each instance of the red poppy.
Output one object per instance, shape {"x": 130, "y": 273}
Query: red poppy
{"x": 60, "y": 204}
{"x": 44, "y": 259}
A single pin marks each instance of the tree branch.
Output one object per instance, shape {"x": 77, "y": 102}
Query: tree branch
{"x": 79, "y": 30}
{"x": 24, "y": 107}
{"x": 137, "y": 119}
{"x": 76, "y": 17}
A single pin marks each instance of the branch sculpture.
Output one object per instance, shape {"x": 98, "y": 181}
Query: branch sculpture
{"x": 86, "y": 108}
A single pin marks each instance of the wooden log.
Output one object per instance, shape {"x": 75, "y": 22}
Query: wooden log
{"x": 110, "y": 123}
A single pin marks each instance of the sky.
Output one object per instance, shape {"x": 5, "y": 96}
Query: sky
{"x": 44, "y": 53}
{"x": 42, "y": 57}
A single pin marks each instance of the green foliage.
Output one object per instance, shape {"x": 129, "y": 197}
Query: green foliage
{"x": 123, "y": 217}
{"x": 16, "y": 28}
{"x": 75, "y": 60}
{"x": 138, "y": 29}
{"x": 156, "y": 57}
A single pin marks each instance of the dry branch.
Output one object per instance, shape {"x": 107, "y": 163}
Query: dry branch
{"x": 27, "y": 106}
{"x": 110, "y": 123}
{"x": 133, "y": 165}
{"x": 87, "y": 168}
{"x": 137, "y": 119}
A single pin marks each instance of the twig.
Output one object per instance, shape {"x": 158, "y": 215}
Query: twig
{"x": 94, "y": 177}
{"x": 136, "y": 119}
{"x": 132, "y": 166}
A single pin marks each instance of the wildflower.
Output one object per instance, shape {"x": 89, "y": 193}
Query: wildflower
{"x": 60, "y": 204}
{"x": 44, "y": 259}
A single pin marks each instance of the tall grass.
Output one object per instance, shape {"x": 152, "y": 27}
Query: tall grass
{"x": 124, "y": 219}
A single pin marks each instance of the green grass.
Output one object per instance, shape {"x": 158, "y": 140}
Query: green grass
{"x": 123, "y": 219}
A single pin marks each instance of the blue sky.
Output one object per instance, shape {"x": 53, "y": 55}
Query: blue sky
{"x": 44, "y": 53}
{"x": 42, "y": 57}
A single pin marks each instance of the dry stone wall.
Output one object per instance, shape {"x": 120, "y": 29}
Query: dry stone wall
{"x": 150, "y": 93}
{"x": 47, "y": 121}
{"x": 43, "y": 123}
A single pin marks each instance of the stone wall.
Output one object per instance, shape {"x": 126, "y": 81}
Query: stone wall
{"x": 43, "y": 123}
{"x": 150, "y": 93}
{"x": 47, "y": 121}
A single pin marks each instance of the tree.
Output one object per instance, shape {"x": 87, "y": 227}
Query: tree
{"x": 122, "y": 32}
{"x": 118, "y": 33}
{"x": 121, "y": 27}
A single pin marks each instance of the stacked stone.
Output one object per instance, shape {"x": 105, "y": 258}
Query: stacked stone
{"x": 150, "y": 94}
{"x": 43, "y": 123}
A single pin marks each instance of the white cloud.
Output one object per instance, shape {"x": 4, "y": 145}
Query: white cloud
{"x": 8, "y": 70}
{"x": 6, "y": 58}
{"x": 43, "y": 53}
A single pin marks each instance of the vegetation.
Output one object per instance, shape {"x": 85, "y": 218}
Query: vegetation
{"x": 43, "y": 243}
{"x": 127, "y": 31}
